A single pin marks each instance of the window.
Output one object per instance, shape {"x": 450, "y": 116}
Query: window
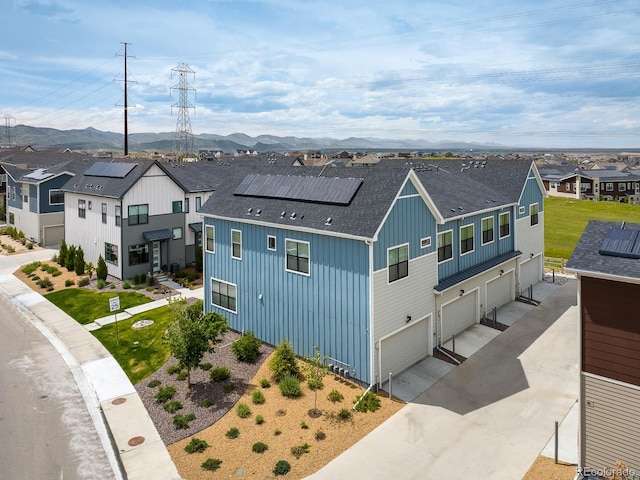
{"x": 487, "y": 230}
{"x": 297, "y": 256}
{"x": 425, "y": 242}
{"x": 567, "y": 187}
{"x": 622, "y": 187}
{"x": 139, "y": 254}
{"x": 198, "y": 203}
{"x": 271, "y": 242}
{"x": 176, "y": 207}
{"x": 82, "y": 208}
{"x": 236, "y": 244}
{"x": 445, "y": 246}
{"x": 533, "y": 213}
{"x": 12, "y": 218}
{"x": 466, "y": 239}
{"x": 504, "y": 225}
{"x": 111, "y": 253}
{"x": 186, "y": 205}
{"x": 609, "y": 187}
{"x": 521, "y": 210}
{"x": 13, "y": 193}
{"x": 138, "y": 214}
{"x": 56, "y": 197}
{"x": 89, "y": 204}
{"x": 104, "y": 213}
{"x": 118, "y": 216}
{"x": 398, "y": 262}
{"x": 209, "y": 232}
{"x": 177, "y": 233}
{"x": 224, "y": 295}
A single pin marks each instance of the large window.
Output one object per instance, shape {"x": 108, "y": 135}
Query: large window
{"x": 82, "y": 208}
{"x": 56, "y": 197}
{"x": 609, "y": 187}
{"x": 138, "y": 254}
{"x": 138, "y": 214}
{"x": 176, "y": 207}
{"x": 224, "y": 295}
{"x": 104, "y": 213}
{"x": 533, "y": 213}
{"x": 504, "y": 225}
{"x": 118, "y": 216}
{"x": 398, "y": 262}
{"x": 236, "y": 244}
{"x": 111, "y": 253}
{"x": 198, "y": 203}
{"x": 210, "y": 236}
{"x": 297, "y": 256}
{"x": 177, "y": 233}
{"x": 487, "y": 230}
{"x": 445, "y": 245}
{"x": 466, "y": 239}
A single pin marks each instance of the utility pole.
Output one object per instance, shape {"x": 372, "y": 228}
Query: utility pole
{"x": 183, "y": 139}
{"x": 7, "y": 128}
{"x": 126, "y": 114}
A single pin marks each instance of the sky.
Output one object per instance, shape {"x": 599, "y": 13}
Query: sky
{"x": 548, "y": 74}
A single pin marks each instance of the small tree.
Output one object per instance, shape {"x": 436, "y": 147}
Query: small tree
{"x": 79, "y": 261}
{"x": 283, "y": 362}
{"x": 101, "y": 269}
{"x": 315, "y": 369}
{"x": 89, "y": 269}
{"x": 71, "y": 258}
{"x": 198, "y": 265}
{"x": 193, "y": 333}
{"x": 62, "y": 253}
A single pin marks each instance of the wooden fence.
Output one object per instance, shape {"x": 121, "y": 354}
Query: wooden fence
{"x": 553, "y": 263}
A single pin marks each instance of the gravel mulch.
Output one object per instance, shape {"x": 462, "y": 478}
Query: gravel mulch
{"x": 202, "y": 388}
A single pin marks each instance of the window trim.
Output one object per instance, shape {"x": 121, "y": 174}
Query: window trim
{"x": 450, "y": 257}
{"x": 233, "y": 245}
{"x": 472, "y": 238}
{"x": 508, "y": 214}
{"x": 275, "y": 243}
{"x": 286, "y": 256}
{"x": 213, "y": 279}
{"x": 82, "y": 208}
{"x": 532, "y": 216}
{"x": 212, "y": 229}
{"x": 389, "y": 265}
{"x": 493, "y": 230}
{"x": 103, "y": 212}
{"x": 137, "y": 215}
{"x": 57, "y": 193}
{"x": 425, "y": 242}
{"x": 114, "y": 252}
{"x": 521, "y": 210}
{"x": 174, "y": 230}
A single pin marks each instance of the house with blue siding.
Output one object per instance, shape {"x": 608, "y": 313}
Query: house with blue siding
{"x": 375, "y": 266}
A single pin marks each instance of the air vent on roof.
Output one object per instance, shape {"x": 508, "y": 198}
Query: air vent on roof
{"x": 258, "y": 212}
{"x": 283, "y": 214}
{"x": 249, "y": 210}
{"x": 328, "y": 222}
{"x": 293, "y": 216}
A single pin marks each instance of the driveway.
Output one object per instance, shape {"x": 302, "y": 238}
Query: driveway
{"x": 489, "y": 417}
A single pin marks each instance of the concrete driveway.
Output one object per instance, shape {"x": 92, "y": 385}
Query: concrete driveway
{"x": 489, "y": 417}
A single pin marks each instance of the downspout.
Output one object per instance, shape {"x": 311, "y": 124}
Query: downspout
{"x": 372, "y": 349}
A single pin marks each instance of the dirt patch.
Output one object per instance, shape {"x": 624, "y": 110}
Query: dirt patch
{"x": 544, "y": 468}
{"x": 9, "y": 246}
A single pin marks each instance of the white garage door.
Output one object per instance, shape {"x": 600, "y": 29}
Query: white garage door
{"x": 459, "y": 315}
{"x": 53, "y": 235}
{"x": 529, "y": 274}
{"x": 404, "y": 348}
{"x": 499, "y": 291}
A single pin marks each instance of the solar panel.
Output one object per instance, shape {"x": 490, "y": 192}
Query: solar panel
{"x": 39, "y": 174}
{"x": 335, "y": 191}
{"x": 621, "y": 242}
{"x": 107, "y": 169}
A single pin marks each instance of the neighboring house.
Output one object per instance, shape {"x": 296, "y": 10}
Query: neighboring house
{"x": 607, "y": 262}
{"x": 133, "y": 214}
{"x": 593, "y": 184}
{"x": 376, "y": 266}
{"x": 35, "y": 201}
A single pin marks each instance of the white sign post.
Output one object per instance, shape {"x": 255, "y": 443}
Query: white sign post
{"x": 114, "y": 306}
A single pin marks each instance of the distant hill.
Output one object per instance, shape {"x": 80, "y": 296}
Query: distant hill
{"x": 92, "y": 139}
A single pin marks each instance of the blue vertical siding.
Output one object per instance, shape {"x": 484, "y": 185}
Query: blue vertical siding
{"x": 33, "y": 198}
{"x": 329, "y": 308}
{"x": 45, "y": 188}
{"x": 531, "y": 194}
{"x": 11, "y": 184}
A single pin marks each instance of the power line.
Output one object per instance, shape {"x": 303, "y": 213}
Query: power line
{"x": 183, "y": 140}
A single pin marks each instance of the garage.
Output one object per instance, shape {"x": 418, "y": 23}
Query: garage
{"x": 53, "y": 235}
{"x": 459, "y": 315}
{"x": 530, "y": 274}
{"x": 405, "y": 347}
{"x": 500, "y": 291}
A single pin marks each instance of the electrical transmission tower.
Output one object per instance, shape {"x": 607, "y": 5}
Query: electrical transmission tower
{"x": 183, "y": 140}
{"x": 7, "y": 129}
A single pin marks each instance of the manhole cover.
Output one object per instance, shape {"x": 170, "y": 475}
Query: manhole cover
{"x": 119, "y": 401}
{"x": 142, "y": 323}
{"x": 135, "y": 441}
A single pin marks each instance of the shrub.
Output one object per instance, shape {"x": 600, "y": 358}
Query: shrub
{"x": 220, "y": 374}
{"x": 32, "y": 267}
{"x": 228, "y": 388}
{"x": 259, "y": 447}
{"x": 151, "y": 282}
{"x": 62, "y": 253}
{"x": 101, "y": 283}
{"x": 232, "y": 433}
{"x": 369, "y": 402}
{"x": 246, "y": 347}
{"x": 206, "y": 403}
{"x": 303, "y": 425}
{"x": 173, "y": 369}
{"x": 211, "y": 464}
{"x": 300, "y": 450}
{"x": 83, "y": 282}
{"x": 264, "y": 383}
{"x": 205, "y": 366}
{"x": 335, "y": 396}
{"x": 182, "y": 375}
{"x": 243, "y": 410}
{"x": 282, "y": 468}
{"x": 182, "y": 421}
{"x": 143, "y": 278}
{"x": 79, "y": 264}
{"x": 173, "y": 406}
{"x": 165, "y": 394}
{"x": 196, "y": 445}
{"x": 257, "y": 397}
{"x": 30, "y": 246}
{"x": 290, "y": 386}
{"x": 259, "y": 419}
{"x": 101, "y": 269}
{"x": 277, "y": 432}
{"x": 68, "y": 282}
{"x": 344, "y": 414}
{"x": 70, "y": 262}
{"x": 126, "y": 284}
{"x": 136, "y": 279}
{"x": 320, "y": 435}
{"x": 283, "y": 362}
{"x": 44, "y": 283}
{"x": 112, "y": 286}
{"x": 153, "y": 383}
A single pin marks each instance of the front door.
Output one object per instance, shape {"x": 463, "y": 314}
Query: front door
{"x": 156, "y": 257}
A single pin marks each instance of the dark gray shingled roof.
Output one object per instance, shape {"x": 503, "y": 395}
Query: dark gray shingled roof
{"x": 586, "y": 257}
{"x": 39, "y": 171}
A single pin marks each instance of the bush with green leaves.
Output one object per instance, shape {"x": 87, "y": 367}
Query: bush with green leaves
{"x": 154, "y": 383}
{"x": 101, "y": 283}
{"x": 206, "y": 403}
{"x": 220, "y": 374}
{"x": 283, "y": 362}
{"x": 259, "y": 447}
{"x": 232, "y": 433}
{"x": 83, "y": 282}
{"x": 165, "y": 394}
{"x": 70, "y": 262}
{"x": 246, "y": 348}
{"x": 281, "y": 468}
{"x": 211, "y": 464}
{"x": 335, "y": 396}
{"x": 303, "y": 425}
{"x": 344, "y": 414}
{"x": 182, "y": 375}
{"x": 196, "y": 445}
{"x": 369, "y": 402}
{"x": 126, "y": 284}
{"x": 101, "y": 269}
{"x": 78, "y": 262}
{"x": 300, "y": 450}
{"x": 45, "y": 283}
{"x": 182, "y": 421}
{"x": 30, "y": 268}
{"x": 68, "y": 282}
{"x": 173, "y": 406}
{"x": 264, "y": 383}
{"x": 290, "y": 387}
{"x": 62, "y": 254}
{"x": 228, "y": 388}
{"x": 257, "y": 397}
{"x": 206, "y": 366}
{"x": 174, "y": 369}
{"x": 259, "y": 419}
{"x": 319, "y": 435}
{"x": 243, "y": 410}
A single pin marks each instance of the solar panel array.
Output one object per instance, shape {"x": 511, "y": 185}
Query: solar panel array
{"x": 621, "y": 242}
{"x": 334, "y": 191}
{"x": 39, "y": 174}
{"x": 107, "y": 169}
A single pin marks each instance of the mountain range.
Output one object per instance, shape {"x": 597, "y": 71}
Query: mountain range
{"x": 91, "y": 139}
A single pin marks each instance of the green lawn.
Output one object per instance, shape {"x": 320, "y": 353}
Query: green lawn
{"x": 565, "y": 219}
{"x": 87, "y": 305}
{"x": 142, "y": 359}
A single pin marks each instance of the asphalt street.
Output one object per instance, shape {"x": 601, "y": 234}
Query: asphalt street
{"x": 45, "y": 427}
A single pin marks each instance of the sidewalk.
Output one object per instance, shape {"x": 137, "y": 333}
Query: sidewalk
{"x": 139, "y": 451}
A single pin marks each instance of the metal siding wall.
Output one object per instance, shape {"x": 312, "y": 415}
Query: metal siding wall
{"x": 11, "y": 184}
{"x": 531, "y": 194}
{"x": 33, "y": 198}
{"x": 329, "y": 308}
{"x": 45, "y": 188}
{"x": 506, "y": 244}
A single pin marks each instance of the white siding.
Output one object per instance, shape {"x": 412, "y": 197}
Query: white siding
{"x": 530, "y": 273}
{"x": 400, "y": 350}
{"x": 500, "y": 290}
{"x": 459, "y": 314}
{"x": 26, "y": 221}
{"x": 530, "y": 239}
{"x": 156, "y": 189}
{"x": 193, "y": 216}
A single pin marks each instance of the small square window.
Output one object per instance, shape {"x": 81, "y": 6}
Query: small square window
{"x": 177, "y": 233}
{"x": 521, "y": 210}
{"x": 425, "y": 242}
{"x": 271, "y": 242}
